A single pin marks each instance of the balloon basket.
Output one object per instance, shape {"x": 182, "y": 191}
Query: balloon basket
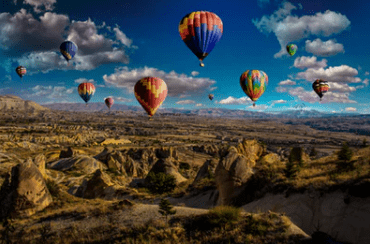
{"x": 254, "y": 104}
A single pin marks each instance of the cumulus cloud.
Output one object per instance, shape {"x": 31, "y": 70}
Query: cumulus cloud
{"x": 287, "y": 83}
{"x": 232, "y": 100}
{"x": 122, "y": 99}
{"x": 334, "y": 86}
{"x": 351, "y": 109}
{"x": 177, "y": 84}
{"x": 289, "y": 28}
{"x": 339, "y": 74}
{"x": 258, "y": 107}
{"x": 41, "y": 35}
{"x": 96, "y": 44}
{"x": 185, "y": 102}
{"x": 122, "y": 37}
{"x": 194, "y": 73}
{"x": 37, "y": 4}
{"x": 199, "y": 105}
{"x": 309, "y": 62}
{"x": 367, "y": 73}
{"x": 366, "y": 82}
{"x": 278, "y": 101}
{"x": 51, "y": 92}
{"x": 328, "y": 48}
{"x": 82, "y": 80}
{"x": 311, "y": 96}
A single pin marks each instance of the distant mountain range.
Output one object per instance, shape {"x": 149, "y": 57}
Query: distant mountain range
{"x": 14, "y": 103}
{"x": 213, "y": 112}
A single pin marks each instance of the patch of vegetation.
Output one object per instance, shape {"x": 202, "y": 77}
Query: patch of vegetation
{"x": 161, "y": 183}
{"x": 184, "y": 166}
{"x": 345, "y": 155}
{"x": 53, "y": 188}
{"x": 166, "y": 208}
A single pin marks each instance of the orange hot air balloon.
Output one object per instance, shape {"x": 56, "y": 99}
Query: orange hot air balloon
{"x": 151, "y": 93}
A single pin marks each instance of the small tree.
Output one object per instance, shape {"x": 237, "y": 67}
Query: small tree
{"x": 165, "y": 208}
{"x": 290, "y": 170}
{"x": 364, "y": 142}
{"x": 295, "y": 156}
{"x": 345, "y": 153}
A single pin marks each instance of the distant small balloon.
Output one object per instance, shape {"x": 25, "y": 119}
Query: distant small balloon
{"x": 211, "y": 96}
{"x": 21, "y": 71}
{"x": 109, "y": 102}
{"x": 292, "y": 49}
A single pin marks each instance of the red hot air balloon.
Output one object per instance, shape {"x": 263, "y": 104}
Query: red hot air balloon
{"x": 150, "y": 93}
{"x": 21, "y": 71}
{"x": 109, "y": 102}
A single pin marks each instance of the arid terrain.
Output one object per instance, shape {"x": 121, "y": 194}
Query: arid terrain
{"x": 82, "y": 177}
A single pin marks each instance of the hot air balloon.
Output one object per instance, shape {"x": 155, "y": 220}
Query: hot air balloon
{"x": 292, "y": 49}
{"x": 150, "y": 93}
{"x": 320, "y": 87}
{"x": 201, "y": 31}
{"x": 254, "y": 83}
{"x": 109, "y": 102}
{"x": 68, "y": 50}
{"x": 211, "y": 96}
{"x": 86, "y": 91}
{"x": 21, "y": 71}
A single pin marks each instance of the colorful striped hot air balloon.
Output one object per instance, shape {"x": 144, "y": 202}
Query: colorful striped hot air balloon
{"x": 86, "y": 91}
{"x": 254, "y": 83}
{"x": 68, "y": 50}
{"x": 291, "y": 49}
{"x": 201, "y": 31}
{"x": 109, "y": 102}
{"x": 320, "y": 87}
{"x": 21, "y": 71}
{"x": 150, "y": 93}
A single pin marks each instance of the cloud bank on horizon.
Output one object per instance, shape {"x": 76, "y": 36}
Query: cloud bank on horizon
{"x": 31, "y": 32}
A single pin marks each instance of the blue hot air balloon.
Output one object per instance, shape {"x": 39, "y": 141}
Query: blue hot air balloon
{"x": 68, "y": 50}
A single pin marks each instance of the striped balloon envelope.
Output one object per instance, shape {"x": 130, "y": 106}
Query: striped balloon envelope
{"x": 201, "y": 31}
{"x": 21, "y": 71}
{"x": 86, "y": 90}
{"x": 320, "y": 87}
{"x": 254, "y": 83}
{"x": 150, "y": 93}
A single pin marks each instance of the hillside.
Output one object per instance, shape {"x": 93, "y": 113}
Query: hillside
{"x": 13, "y": 103}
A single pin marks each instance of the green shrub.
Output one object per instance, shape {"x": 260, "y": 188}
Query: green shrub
{"x": 161, "y": 183}
{"x": 224, "y": 216}
{"x": 345, "y": 153}
{"x": 291, "y": 170}
{"x": 184, "y": 166}
{"x": 296, "y": 156}
{"x": 166, "y": 208}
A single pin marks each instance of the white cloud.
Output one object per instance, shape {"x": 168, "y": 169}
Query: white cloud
{"x": 367, "y": 73}
{"x": 82, "y": 80}
{"x": 334, "y": 86}
{"x": 328, "y": 48}
{"x": 278, "y": 101}
{"x": 213, "y": 88}
{"x": 289, "y": 28}
{"x": 51, "y": 92}
{"x": 122, "y": 99}
{"x": 258, "y": 107}
{"x": 177, "y": 84}
{"x": 366, "y": 81}
{"x": 309, "y": 62}
{"x": 40, "y": 53}
{"x": 312, "y": 97}
{"x": 36, "y": 4}
{"x": 231, "y": 100}
{"x": 351, "y": 109}
{"x": 122, "y": 37}
{"x": 199, "y": 105}
{"x": 194, "y": 73}
{"x": 281, "y": 89}
{"x": 185, "y": 102}
{"x": 287, "y": 83}
{"x": 41, "y": 35}
{"x": 183, "y": 96}
{"x": 341, "y": 73}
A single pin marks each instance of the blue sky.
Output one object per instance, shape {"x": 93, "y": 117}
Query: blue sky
{"x": 121, "y": 42}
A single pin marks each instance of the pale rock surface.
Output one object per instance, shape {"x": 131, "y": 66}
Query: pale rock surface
{"x": 166, "y": 166}
{"x": 84, "y": 164}
{"x": 345, "y": 222}
{"x": 24, "y": 191}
